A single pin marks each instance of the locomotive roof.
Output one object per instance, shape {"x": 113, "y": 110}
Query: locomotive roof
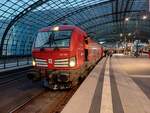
{"x": 61, "y": 27}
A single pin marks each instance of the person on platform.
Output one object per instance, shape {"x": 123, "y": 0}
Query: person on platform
{"x": 105, "y": 52}
{"x": 110, "y": 52}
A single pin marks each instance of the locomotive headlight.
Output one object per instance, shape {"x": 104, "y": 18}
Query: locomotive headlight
{"x": 56, "y": 28}
{"x": 72, "y": 62}
{"x": 33, "y": 63}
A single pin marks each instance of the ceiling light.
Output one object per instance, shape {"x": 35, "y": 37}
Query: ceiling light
{"x": 144, "y": 17}
{"x": 129, "y": 34}
{"x": 121, "y": 34}
{"x": 127, "y": 19}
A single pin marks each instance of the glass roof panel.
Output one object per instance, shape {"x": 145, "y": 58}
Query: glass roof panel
{"x": 23, "y": 18}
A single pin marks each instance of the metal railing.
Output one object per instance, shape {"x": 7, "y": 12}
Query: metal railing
{"x": 14, "y": 61}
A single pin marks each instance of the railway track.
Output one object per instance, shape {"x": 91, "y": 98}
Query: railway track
{"x": 14, "y": 110}
{"x": 46, "y": 102}
{"x": 63, "y": 101}
{"x": 53, "y": 101}
{"x": 12, "y": 77}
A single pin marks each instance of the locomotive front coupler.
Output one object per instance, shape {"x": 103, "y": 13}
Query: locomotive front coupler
{"x": 59, "y": 76}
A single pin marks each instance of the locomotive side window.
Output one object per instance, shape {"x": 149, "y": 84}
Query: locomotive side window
{"x": 53, "y": 39}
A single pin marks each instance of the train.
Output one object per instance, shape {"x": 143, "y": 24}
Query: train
{"x": 61, "y": 54}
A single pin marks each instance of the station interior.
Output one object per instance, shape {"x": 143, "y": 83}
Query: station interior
{"x": 117, "y": 82}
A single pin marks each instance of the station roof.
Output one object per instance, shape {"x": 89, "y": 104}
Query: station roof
{"x": 104, "y": 20}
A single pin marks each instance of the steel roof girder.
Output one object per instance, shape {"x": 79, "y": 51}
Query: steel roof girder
{"x": 105, "y": 15}
{"x": 17, "y": 17}
{"x": 80, "y": 10}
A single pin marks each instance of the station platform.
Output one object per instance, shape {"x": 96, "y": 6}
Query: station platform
{"x": 116, "y": 85}
{"x": 11, "y": 64}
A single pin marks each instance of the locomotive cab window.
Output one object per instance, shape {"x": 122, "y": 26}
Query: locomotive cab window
{"x": 53, "y": 39}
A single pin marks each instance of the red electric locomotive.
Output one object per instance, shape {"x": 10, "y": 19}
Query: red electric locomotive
{"x": 61, "y": 54}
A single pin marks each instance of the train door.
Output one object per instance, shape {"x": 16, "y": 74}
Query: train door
{"x": 86, "y": 53}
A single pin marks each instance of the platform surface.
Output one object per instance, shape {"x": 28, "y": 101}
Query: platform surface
{"x": 121, "y": 85}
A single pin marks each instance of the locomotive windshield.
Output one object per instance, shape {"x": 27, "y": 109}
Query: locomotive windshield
{"x": 53, "y": 39}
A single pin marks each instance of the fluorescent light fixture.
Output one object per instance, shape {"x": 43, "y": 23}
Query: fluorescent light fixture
{"x": 127, "y": 19}
{"x": 121, "y": 34}
{"x": 144, "y": 17}
{"x": 129, "y": 34}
